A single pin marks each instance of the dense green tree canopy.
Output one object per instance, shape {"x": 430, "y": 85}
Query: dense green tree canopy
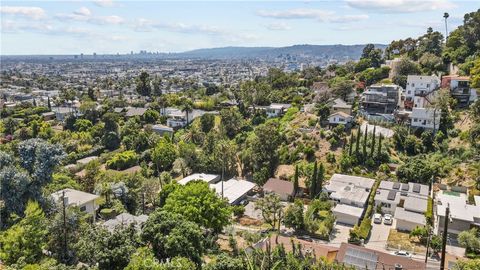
{"x": 171, "y": 235}
{"x": 25, "y": 240}
{"x": 198, "y": 203}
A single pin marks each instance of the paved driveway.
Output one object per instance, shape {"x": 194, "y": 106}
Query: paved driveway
{"x": 379, "y": 235}
{"x": 339, "y": 234}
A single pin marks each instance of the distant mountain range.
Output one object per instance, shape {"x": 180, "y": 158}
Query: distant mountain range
{"x": 338, "y": 52}
{"x": 316, "y": 51}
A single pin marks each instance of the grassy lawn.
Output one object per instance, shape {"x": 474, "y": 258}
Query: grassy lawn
{"x": 400, "y": 240}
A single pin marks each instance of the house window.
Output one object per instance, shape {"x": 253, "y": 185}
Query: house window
{"x": 414, "y": 119}
{"x": 83, "y": 208}
{"x": 428, "y": 85}
{"x": 409, "y": 92}
{"x": 413, "y": 84}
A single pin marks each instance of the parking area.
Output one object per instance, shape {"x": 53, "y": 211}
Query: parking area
{"x": 339, "y": 234}
{"x": 379, "y": 235}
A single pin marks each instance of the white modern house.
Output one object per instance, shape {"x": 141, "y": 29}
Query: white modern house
{"x": 420, "y": 89}
{"x": 276, "y": 109}
{"x": 351, "y": 195}
{"x": 209, "y": 178}
{"x": 177, "y": 118}
{"x": 420, "y": 93}
{"x": 406, "y": 201}
{"x": 340, "y": 117}
{"x": 87, "y": 202}
{"x": 463, "y": 215}
{"x": 427, "y": 118}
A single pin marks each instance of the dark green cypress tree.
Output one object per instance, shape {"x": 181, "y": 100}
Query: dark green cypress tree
{"x": 295, "y": 181}
{"x": 48, "y": 103}
{"x": 320, "y": 178}
{"x": 379, "y": 153}
{"x": 373, "y": 141}
{"x": 357, "y": 146}
{"x": 365, "y": 144}
{"x": 313, "y": 182}
{"x": 350, "y": 149}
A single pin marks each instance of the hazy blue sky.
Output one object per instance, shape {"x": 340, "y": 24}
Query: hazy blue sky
{"x": 71, "y": 27}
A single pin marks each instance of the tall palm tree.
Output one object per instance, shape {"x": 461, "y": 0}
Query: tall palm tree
{"x": 162, "y": 101}
{"x": 445, "y": 16}
{"x": 187, "y": 108}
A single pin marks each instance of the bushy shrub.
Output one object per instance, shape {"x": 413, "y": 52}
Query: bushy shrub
{"x": 123, "y": 160}
{"x": 331, "y": 157}
{"x": 238, "y": 210}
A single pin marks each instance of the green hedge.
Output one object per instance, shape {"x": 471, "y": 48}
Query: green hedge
{"x": 362, "y": 231}
{"x": 429, "y": 213}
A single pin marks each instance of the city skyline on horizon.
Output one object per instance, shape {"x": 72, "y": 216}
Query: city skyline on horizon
{"x": 111, "y": 27}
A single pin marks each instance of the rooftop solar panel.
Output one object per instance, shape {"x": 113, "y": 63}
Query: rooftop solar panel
{"x": 405, "y": 187}
{"x": 391, "y": 195}
{"x": 396, "y": 185}
{"x": 416, "y": 188}
{"x": 361, "y": 259}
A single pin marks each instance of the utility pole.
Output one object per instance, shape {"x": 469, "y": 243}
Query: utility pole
{"x": 444, "y": 238}
{"x": 428, "y": 243}
{"x": 446, "y": 15}
{"x": 65, "y": 247}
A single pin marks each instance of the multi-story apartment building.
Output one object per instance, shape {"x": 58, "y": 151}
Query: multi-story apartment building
{"x": 382, "y": 99}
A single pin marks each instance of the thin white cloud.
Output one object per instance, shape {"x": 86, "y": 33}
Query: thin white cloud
{"x": 281, "y": 26}
{"x": 146, "y": 25}
{"x": 104, "y": 3}
{"x": 299, "y": 13}
{"x": 30, "y": 12}
{"x": 83, "y": 11}
{"x": 85, "y": 15}
{"x": 316, "y": 14}
{"x": 348, "y": 18}
{"x": 188, "y": 28}
{"x": 112, "y": 19}
{"x": 401, "y": 6}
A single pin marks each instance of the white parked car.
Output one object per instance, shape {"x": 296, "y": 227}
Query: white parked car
{"x": 403, "y": 253}
{"x": 387, "y": 219}
{"x": 377, "y": 218}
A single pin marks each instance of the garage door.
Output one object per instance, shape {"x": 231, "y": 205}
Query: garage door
{"x": 345, "y": 218}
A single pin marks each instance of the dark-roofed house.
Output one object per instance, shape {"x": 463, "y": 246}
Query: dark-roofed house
{"x": 47, "y": 116}
{"x": 132, "y": 111}
{"x": 364, "y": 258}
{"x": 124, "y": 220}
{"x": 284, "y": 189}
